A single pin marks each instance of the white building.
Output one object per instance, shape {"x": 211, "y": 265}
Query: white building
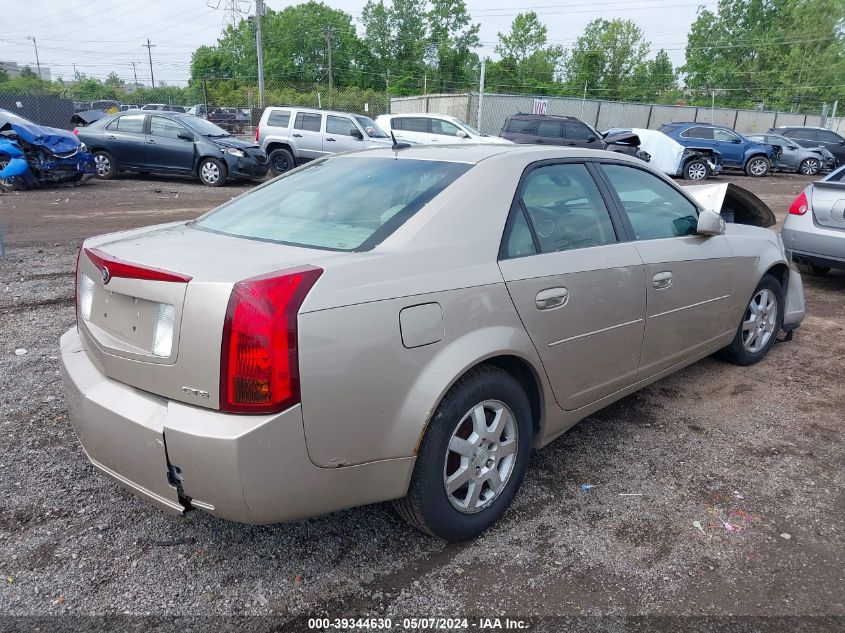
{"x": 13, "y": 70}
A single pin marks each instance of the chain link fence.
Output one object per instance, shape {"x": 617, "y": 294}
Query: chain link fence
{"x": 602, "y": 115}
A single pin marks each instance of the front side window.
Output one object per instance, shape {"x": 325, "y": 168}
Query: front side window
{"x": 579, "y": 131}
{"x": 339, "y": 125}
{"x": 565, "y": 208}
{"x": 167, "y": 128}
{"x": 826, "y": 136}
{"x": 308, "y": 122}
{"x": 339, "y": 203}
{"x": 654, "y": 207}
{"x": 724, "y": 135}
{"x": 444, "y": 128}
{"x": 805, "y": 134}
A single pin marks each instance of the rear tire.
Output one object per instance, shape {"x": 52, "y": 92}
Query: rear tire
{"x": 759, "y": 326}
{"x": 105, "y": 165}
{"x": 212, "y": 172}
{"x": 281, "y": 160}
{"x": 757, "y": 166}
{"x": 697, "y": 170}
{"x": 464, "y": 480}
{"x": 810, "y": 166}
{"x": 806, "y": 268}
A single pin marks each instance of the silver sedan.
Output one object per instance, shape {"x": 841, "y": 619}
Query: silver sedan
{"x": 402, "y": 324}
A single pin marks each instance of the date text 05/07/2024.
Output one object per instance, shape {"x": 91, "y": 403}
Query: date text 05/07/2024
{"x": 419, "y": 624}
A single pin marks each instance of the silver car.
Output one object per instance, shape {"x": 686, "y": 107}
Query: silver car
{"x": 402, "y": 324}
{"x": 804, "y": 160}
{"x": 814, "y": 229}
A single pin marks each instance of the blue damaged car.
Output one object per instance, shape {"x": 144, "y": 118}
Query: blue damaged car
{"x": 755, "y": 159}
{"x": 33, "y": 155}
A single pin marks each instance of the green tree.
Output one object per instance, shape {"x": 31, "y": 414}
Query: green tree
{"x": 28, "y": 73}
{"x": 114, "y": 81}
{"x": 408, "y": 23}
{"x": 452, "y": 40}
{"x": 527, "y": 63}
{"x": 608, "y": 57}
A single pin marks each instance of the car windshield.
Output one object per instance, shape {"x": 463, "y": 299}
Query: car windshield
{"x": 339, "y": 203}
{"x": 370, "y": 126}
{"x": 201, "y": 126}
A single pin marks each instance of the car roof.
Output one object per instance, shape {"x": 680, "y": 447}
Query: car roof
{"x": 314, "y": 110}
{"x": 562, "y": 117}
{"x": 427, "y": 115}
{"x": 474, "y": 153}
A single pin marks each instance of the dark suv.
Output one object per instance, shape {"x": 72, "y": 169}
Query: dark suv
{"x": 550, "y": 129}
{"x": 813, "y": 137}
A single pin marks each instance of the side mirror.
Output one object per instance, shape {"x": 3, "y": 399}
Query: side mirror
{"x": 356, "y": 133}
{"x": 591, "y": 138}
{"x": 185, "y": 136}
{"x": 792, "y": 146}
{"x": 461, "y": 134}
{"x": 736, "y": 140}
{"x": 710, "y": 223}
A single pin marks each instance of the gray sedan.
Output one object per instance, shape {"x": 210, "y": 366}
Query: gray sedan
{"x": 402, "y": 324}
{"x": 805, "y": 160}
{"x": 814, "y": 229}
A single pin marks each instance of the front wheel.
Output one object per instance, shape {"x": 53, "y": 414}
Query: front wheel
{"x": 696, "y": 169}
{"x": 760, "y": 324}
{"x": 810, "y": 166}
{"x": 212, "y": 172}
{"x": 105, "y": 165}
{"x": 281, "y": 160}
{"x": 473, "y": 457}
{"x": 758, "y": 166}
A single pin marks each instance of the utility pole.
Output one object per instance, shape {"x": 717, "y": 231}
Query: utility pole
{"x": 134, "y": 72}
{"x": 37, "y": 61}
{"x": 481, "y": 91}
{"x": 149, "y": 48}
{"x": 328, "y": 32}
{"x": 259, "y": 49}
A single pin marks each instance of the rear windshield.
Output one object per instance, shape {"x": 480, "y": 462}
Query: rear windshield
{"x": 340, "y": 203}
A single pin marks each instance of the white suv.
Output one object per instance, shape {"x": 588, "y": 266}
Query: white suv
{"x": 433, "y": 128}
{"x": 292, "y": 136}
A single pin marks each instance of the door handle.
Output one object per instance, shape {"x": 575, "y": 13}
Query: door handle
{"x": 662, "y": 280}
{"x": 539, "y": 140}
{"x": 552, "y": 298}
{"x": 330, "y": 139}
{"x": 571, "y": 143}
{"x": 111, "y": 137}
{"x": 297, "y": 135}
{"x": 151, "y": 141}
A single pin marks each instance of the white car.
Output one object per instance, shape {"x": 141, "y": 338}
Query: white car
{"x": 429, "y": 128}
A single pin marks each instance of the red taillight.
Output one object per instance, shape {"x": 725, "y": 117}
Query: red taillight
{"x": 256, "y": 133}
{"x": 76, "y": 283}
{"x": 75, "y": 131}
{"x": 112, "y": 267}
{"x": 259, "y": 360}
{"x": 799, "y": 205}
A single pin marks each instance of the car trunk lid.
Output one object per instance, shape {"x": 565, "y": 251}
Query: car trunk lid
{"x": 827, "y": 200}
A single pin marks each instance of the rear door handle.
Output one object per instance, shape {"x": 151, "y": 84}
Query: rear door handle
{"x": 151, "y": 141}
{"x": 552, "y": 298}
{"x": 662, "y": 280}
{"x": 330, "y": 139}
{"x": 111, "y": 137}
{"x": 297, "y": 135}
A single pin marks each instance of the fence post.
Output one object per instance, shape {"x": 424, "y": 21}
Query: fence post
{"x": 736, "y": 117}
{"x": 648, "y": 120}
{"x": 598, "y": 114}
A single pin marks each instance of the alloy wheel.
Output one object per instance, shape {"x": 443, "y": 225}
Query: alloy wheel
{"x": 761, "y": 318}
{"x": 758, "y": 167}
{"x": 481, "y": 456}
{"x": 697, "y": 171}
{"x": 810, "y": 167}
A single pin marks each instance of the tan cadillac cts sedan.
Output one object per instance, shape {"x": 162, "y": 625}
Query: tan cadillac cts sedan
{"x": 402, "y": 324}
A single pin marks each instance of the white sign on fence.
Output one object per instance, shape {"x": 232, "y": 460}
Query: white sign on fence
{"x": 540, "y": 106}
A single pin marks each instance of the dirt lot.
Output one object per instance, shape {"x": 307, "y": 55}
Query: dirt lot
{"x": 759, "y": 449}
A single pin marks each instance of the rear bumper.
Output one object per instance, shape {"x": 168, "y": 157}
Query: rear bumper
{"x": 804, "y": 239}
{"x": 250, "y": 469}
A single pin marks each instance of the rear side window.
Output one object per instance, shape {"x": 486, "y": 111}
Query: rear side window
{"x": 278, "y": 118}
{"x": 804, "y": 134}
{"x": 340, "y": 203}
{"x": 565, "y": 209}
{"x": 655, "y": 208}
{"x": 549, "y": 129}
{"x": 410, "y": 124}
{"x": 131, "y": 123}
{"x": 307, "y": 122}
{"x": 699, "y": 132}
{"x": 520, "y": 126}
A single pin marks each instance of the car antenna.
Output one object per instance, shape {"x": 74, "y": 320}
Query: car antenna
{"x": 396, "y": 144}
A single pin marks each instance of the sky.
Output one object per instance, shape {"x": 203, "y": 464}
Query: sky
{"x": 104, "y": 37}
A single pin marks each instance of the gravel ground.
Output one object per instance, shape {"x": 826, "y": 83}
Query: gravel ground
{"x": 759, "y": 449}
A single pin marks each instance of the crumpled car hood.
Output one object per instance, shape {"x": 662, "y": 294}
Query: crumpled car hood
{"x": 233, "y": 141}
{"x": 56, "y": 140}
{"x": 732, "y": 201}
{"x": 623, "y": 138}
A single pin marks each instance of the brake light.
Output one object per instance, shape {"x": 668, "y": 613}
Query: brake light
{"x": 75, "y": 131}
{"x": 112, "y": 267}
{"x": 259, "y": 360}
{"x": 76, "y": 282}
{"x": 799, "y": 205}
{"x": 256, "y": 134}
